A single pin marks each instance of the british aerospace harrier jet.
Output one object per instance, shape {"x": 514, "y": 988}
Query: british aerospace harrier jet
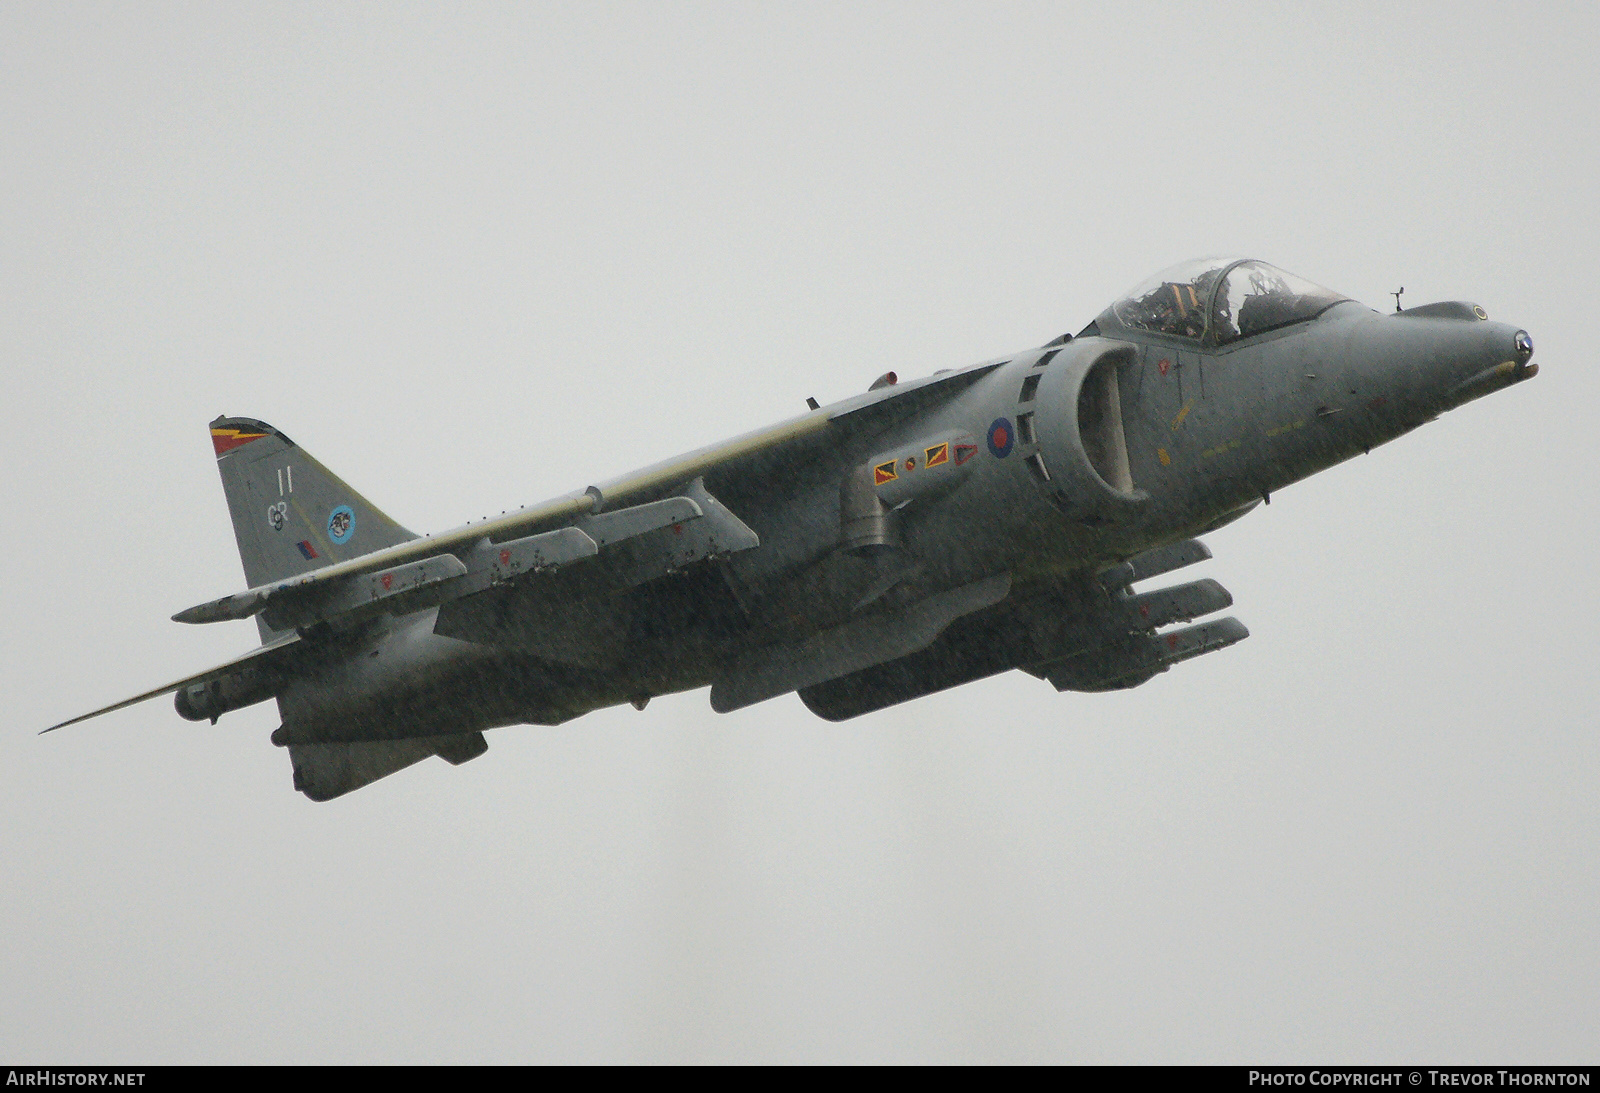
{"x": 870, "y": 552}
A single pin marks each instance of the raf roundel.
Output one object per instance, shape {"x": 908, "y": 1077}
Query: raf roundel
{"x": 1001, "y": 438}
{"x": 341, "y": 524}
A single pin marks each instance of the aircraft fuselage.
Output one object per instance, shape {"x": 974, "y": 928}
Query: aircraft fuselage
{"x": 1073, "y": 458}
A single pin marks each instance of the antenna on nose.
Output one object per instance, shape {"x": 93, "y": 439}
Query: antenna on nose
{"x": 1396, "y": 296}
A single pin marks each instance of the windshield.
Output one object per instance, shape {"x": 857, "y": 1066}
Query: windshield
{"x": 1256, "y": 297}
{"x": 1221, "y": 300}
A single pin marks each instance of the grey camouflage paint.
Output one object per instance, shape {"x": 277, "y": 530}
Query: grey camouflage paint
{"x": 1065, "y": 475}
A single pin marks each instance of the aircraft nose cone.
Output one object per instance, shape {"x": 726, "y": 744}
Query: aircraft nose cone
{"x": 1510, "y": 350}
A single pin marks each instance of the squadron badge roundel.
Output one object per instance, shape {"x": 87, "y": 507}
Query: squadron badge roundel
{"x": 341, "y": 524}
{"x": 1001, "y": 438}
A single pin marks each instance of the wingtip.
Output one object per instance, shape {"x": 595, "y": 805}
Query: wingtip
{"x": 86, "y": 716}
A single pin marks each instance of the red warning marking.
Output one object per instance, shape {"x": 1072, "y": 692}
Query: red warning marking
{"x": 1172, "y": 641}
{"x": 936, "y": 455}
{"x": 505, "y": 557}
{"x": 677, "y": 529}
{"x": 1144, "y": 610}
{"x": 911, "y": 464}
{"x": 1163, "y": 366}
{"x": 884, "y": 472}
{"x": 965, "y": 452}
{"x": 388, "y": 579}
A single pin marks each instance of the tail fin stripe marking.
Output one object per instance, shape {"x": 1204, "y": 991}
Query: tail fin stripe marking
{"x": 318, "y": 541}
{"x": 226, "y": 440}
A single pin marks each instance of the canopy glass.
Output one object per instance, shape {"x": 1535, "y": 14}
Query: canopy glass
{"x": 1220, "y": 300}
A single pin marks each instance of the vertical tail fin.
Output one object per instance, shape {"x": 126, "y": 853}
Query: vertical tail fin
{"x": 290, "y": 513}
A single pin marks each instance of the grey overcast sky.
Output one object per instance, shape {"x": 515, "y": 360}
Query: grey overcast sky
{"x": 474, "y": 255}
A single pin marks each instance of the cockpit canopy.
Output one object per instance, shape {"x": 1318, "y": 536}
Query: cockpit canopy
{"x": 1220, "y": 300}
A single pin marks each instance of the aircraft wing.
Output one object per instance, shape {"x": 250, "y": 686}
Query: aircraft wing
{"x": 268, "y": 658}
{"x": 417, "y": 562}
